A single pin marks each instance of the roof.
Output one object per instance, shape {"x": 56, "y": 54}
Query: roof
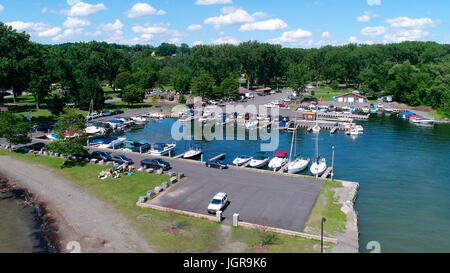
{"x": 281, "y": 154}
{"x": 243, "y": 90}
{"x": 263, "y": 89}
{"x": 220, "y": 195}
{"x": 351, "y": 93}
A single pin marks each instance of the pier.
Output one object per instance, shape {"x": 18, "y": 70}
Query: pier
{"x": 338, "y": 115}
{"x": 218, "y": 157}
{"x": 327, "y": 173}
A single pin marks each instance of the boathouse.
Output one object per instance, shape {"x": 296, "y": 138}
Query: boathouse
{"x": 351, "y": 97}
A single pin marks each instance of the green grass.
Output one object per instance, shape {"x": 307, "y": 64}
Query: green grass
{"x": 282, "y": 244}
{"x": 327, "y": 206}
{"x": 327, "y": 93}
{"x": 293, "y": 107}
{"x": 438, "y": 115}
{"x": 26, "y": 100}
{"x": 196, "y": 235}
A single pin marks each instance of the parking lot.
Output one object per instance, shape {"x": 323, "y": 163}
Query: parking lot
{"x": 285, "y": 202}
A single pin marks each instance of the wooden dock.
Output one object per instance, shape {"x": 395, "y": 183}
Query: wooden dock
{"x": 334, "y": 115}
{"x": 327, "y": 172}
{"x": 333, "y": 131}
{"x": 179, "y": 156}
{"x": 324, "y": 125}
{"x": 217, "y": 157}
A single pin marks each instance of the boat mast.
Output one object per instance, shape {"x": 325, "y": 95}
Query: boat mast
{"x": 292, "y": 145}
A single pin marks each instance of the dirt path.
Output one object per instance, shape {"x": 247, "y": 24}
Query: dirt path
{"x": 223, "y": 238}
{"x": 82, "y": 218}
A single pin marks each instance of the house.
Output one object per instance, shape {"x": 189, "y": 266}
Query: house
{"x": 351, "y": 98}
{"x": 309, "y": 115}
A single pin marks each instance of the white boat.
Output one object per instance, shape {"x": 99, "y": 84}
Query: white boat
{"x": 359, "y": 129}
{"x": 260, "y": 160}
{"x": 388, "y": 110}
{"x": 162, "y": 149}
{"x": 251, "y": 124}
{"x": 422, "y": 121}
{"x": 92, "y": 130}
{"x": 353, "y": 132}
{"x": 316, "y": 129}
{"x": 139, "y": 119}
{"x": 157, "y": 115}
{"x": 365, "y": 110}
{"x": 53, "y": 137}
{"x": 278, "y": 162}
{"x": 192, "y": 153}
{"x": 241, "y": 160}
{"x": 112, "y": 142}
{"x": 298, "y": 165}
{"x": 319, "y": 166}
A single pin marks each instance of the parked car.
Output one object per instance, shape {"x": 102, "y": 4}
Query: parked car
{"x": 117, "y": 112}
{"x": 43, "y": 127}
{"x": 92, "y": 116}
{"x": 155, "y": 164}
{"x": 37, "y": 147}
{"x": 105, "y": 114}
{"x": 219, "y": 202}
{"x": 108, "y": 98}
{"x": 216, "y": 164}
{"x": 122, "y": 159}
{"x": 101, "y": 155}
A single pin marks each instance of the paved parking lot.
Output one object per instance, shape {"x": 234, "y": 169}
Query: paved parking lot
{"x": 285, "y": 201}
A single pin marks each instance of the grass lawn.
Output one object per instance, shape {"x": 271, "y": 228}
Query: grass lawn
{"x": 26, "y": 99}
{"x": 437, "y": 115}
{"x": 327, "y": 93}
{"x": 327, "y": 206}
{"x": 196, "y": 235}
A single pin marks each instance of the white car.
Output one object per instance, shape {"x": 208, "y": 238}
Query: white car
{"x": 219, "y": 202}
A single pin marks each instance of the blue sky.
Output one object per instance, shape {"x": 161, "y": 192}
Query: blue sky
{"x": 292, "y": 23}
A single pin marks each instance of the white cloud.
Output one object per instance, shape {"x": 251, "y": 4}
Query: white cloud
{"x": 67, "y": 34}
{"x": 142, "y": 10}
{"x": 1, "y": 8}
{"x": 374, "y": 2}
{"x": 37, "y": 29}
{"x": 326, "y": 34}
{"x": 196, "y": 43}
{"x": 409, "y": 22}
{"x": 226, "y": 40}
{"x": 373, "y": 31}
{"x": 366, "y": 17}
{"x": 294, "y": 36}
{"x": 194, "y": 27}
{"x": 230, "y": 16}
{"x": 353, "y": 39}
{"x": 113, "y": 30}
{"x": 83, "y": 9}
{"x": 272, "y": 24}
{"x": 212, "y": 2}
{"x": 405, "y": 35}
{"x": 175, "y": 41}
{"x": 259, "y": 14}
{"x": 73, "y": 22}
{"x": 154, "y": 29}
{"x": 94, "y": 34}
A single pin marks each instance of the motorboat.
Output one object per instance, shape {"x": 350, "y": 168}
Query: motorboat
{"x": 242, "y": 160}
{"x": 157, "y": 115}
{"x": 96, "y": 142}
{"x": 373, "y": 110}
{"x": 162, "y": 149}
{"x": 422, "y": 121}
{"x": 319, "y": 166}
{"x": 193, "y": 152}
{"x": 280, "y": 159}
{"x": 251, "y": 124}
{"x": 92, "y": 130}
{"x": 365, "y": 110}
{"x": 388, "y": 110}
{"x": 359, "y": 129}
{"x": 53, "y": 137}
{"x": 111, "y": 142}
{"x": 139, "y": 119}
{"x": 133, "y": 145}
{"x": 299, "y": 164}
{"x": 353, "y": 132}
{"x": 186, "y": 119}
{"x": 260, "y": 160}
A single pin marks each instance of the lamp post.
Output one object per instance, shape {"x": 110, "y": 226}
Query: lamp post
{"x": 321, "y": 234}
{"x": 332, "y": 164}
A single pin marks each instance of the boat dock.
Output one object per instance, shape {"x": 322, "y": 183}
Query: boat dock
{"x": 325, "y": 125}
{"x": 218, "y": 157}
{"x": 327, "y": 173}
{"x": 337, "y": 115}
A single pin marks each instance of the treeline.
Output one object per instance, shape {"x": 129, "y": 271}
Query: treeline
{"x": 416, "y": 73}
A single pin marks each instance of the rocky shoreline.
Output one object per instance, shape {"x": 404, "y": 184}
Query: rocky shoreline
{"x": 46, "y": 225}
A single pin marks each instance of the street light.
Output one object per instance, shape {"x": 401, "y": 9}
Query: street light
{"x": 321, "y": 234}
{"x": 332, "y": 164}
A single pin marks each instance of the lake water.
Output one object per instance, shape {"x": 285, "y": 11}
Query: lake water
{"x": 403, "y": 171}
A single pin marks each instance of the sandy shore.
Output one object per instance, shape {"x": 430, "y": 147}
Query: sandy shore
{"x": 81, "y": 217}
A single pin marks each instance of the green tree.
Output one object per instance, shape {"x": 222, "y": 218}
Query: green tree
{"x": 133, "y": 94}
{"x": 122, "y": 80}
{"x": 91, "y": 91}
{"x": 334, "y": 85}
{"x": 14, "y": 129}
{"x": 298, "y": 76}
{"x": 115, "y": 60}
{"x": 230, "y": 87}
{"x": 55, "y": 103}
{"x": 182, "y": 99}
{"x": 203, "y": 86}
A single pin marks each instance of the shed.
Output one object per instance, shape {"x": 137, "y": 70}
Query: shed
{"x": 351, "y": 98}
{"x": 309, "y": 115}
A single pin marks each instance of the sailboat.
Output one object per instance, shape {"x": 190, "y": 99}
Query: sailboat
{"x": 300, "y": 162}
{"x": 320, "y": 164}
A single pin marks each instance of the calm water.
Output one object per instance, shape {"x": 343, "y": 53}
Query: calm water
{"x": 403, "y": 171}
{"x": 18, "y": 231}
